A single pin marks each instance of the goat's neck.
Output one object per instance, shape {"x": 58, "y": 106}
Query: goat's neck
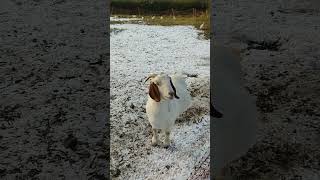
{"x": 164, "y": 102}
{"x": 167, "y": 103}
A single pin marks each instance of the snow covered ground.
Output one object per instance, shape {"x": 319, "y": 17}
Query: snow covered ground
{"x": 136, "y": 51}
{"x": 124, "y": 19}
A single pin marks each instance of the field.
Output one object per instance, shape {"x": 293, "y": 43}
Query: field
{"x": 165, "y": 20}
{"x": 136, "y": 51}
{"x": 163, "y": 39}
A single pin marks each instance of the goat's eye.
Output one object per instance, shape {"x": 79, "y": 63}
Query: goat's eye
{"x": 158, "y": 83}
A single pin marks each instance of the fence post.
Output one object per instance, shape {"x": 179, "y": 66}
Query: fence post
{"x": 173, "y": 13}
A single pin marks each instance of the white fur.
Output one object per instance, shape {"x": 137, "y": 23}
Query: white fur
{"x": 162, "y": 115}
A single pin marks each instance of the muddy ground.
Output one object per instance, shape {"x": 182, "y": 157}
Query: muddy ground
{"x": 53, "y": 84}
{"x": 279, "y": 43}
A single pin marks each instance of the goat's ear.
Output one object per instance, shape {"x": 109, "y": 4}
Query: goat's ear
{"x": 174, "y": 89}
{"x": 154, "y": 92}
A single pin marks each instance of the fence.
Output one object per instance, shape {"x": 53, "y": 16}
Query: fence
{"x": 159, "y": 7}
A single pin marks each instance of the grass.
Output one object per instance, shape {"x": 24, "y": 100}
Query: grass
{"x": 168, "y": 20}
{"x": 186, "y": 12}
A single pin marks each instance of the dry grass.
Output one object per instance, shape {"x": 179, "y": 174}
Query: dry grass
{"x": 169, "y": 20}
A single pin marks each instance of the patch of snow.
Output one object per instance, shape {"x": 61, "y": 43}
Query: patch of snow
{"x": 125, "y": 19}
{"x": 190, "y": 144}
{"x": 136, "y": 52}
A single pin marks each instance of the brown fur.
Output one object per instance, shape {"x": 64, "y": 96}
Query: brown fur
{"x": 154, "y": 92}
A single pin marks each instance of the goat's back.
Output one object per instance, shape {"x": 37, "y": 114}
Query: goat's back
{"x": 185, "y": 99}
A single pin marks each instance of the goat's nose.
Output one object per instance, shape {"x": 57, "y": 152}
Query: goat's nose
{"x": 171, "y": 93}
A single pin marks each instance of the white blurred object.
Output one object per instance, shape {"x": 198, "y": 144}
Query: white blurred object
{"x": 153, "y": 17}
{"x": 161, "y": 17}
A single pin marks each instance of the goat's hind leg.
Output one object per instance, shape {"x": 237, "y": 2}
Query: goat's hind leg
{"x": 155, "y": 139}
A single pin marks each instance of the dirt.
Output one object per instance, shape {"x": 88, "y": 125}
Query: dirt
{"x": 54, "y": 75}
{"x": 279, "y": 45}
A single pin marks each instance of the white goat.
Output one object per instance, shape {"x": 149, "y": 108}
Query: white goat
{"x": 168, "y": 98}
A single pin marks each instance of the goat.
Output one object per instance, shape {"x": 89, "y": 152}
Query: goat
{"x": 168, "y": 98}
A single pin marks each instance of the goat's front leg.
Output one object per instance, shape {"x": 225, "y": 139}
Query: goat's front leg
{"x": 155, "y": 139}
{"x": 167, "y": 138}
